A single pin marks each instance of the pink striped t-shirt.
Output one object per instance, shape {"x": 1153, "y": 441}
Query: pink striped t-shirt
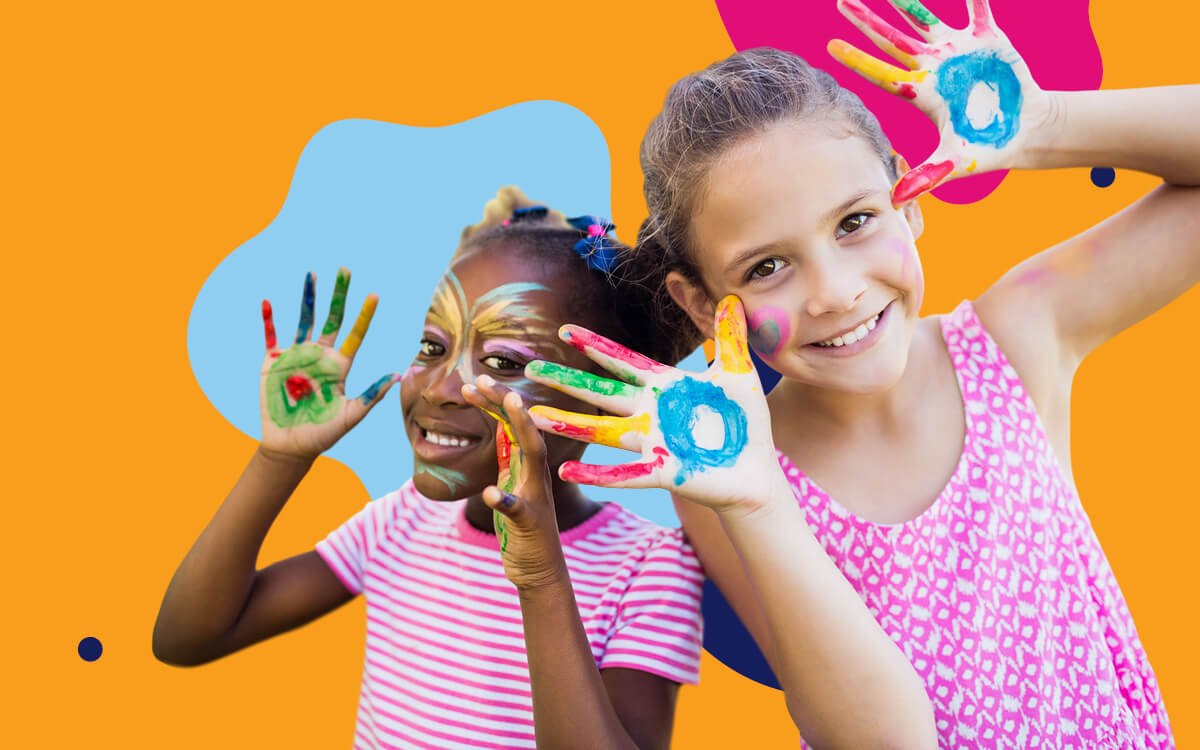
{"x": 999, "y": 593}
{"x": 445, "y": 657}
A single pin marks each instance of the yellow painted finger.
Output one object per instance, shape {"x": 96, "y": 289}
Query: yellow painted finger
{"x": 731, "y": 336}
{"x": 873, "y": 69}
{"x": 615, "y": 432}
{"x": 354, "y": 339}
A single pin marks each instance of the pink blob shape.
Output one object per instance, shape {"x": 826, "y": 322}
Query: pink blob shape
{"x": 1055, "y": 38}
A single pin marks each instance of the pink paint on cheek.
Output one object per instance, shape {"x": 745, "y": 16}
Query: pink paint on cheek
{"x": 770, "y": 329}
{"x": 910, "y": 271}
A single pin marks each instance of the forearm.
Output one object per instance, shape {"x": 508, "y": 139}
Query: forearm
{"x": 846, "y": 683}
{"x": 571, "y": 708}
{"x": 1152, "y": 130}
{"x": 210, "y": 589}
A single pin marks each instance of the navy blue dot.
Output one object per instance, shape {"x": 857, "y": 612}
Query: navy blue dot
{"x": 1103, "y": 176}
{"x": 90, "y": 649}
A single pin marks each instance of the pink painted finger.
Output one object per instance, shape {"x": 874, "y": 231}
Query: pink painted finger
{"x": 979, "y": 17}
{"x": 269, "y": 329}
{"x": 636, "y": 475}
{"x": 921, "y": 180}
{"x": 617, "y": 359}
{"x": 887, "y": 37}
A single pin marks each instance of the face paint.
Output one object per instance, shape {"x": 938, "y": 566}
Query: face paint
{"x": 680, "y": 408}
{"x": 910, "y": 270}
{"x": 299, "y": 387}
{"x": 769, "y": 329}
{"x": 963, "y": 80}
{"x": 449, "y": 477}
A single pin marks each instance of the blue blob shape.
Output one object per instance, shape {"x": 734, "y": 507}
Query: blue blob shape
{"x": 1103, "y": 176}
{"x": 726, "y": 638}
{"x": 389, "y": 202}
{"x": 678, "y": 412}
{"x": 958, "y": 76}
{"x": 90, "y": 649}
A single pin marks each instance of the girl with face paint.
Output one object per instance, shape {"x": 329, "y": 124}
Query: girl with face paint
{"x": 927, "y": 457}
{"x": 528, "y": 616}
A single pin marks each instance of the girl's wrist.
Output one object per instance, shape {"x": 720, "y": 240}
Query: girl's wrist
{"x": 1045, "y": 134}
{"x": 549, "y": 582}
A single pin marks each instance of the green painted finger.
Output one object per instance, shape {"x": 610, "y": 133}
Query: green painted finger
{"x": 610, "y": 395}
{"x": 337, "y": 307}
{"x": 917, "y": 13}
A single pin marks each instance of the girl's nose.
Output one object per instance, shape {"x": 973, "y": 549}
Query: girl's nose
{"x": 444, "y": 386}
{"x": 835, "y": 286}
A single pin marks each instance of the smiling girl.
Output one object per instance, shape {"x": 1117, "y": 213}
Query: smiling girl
{"x": 614, "y": 599}
{"x": 930, "y": 456}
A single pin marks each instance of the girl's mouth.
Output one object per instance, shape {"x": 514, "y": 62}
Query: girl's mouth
{"x": 854, "y": 340}
{"x": 442, "y": 444}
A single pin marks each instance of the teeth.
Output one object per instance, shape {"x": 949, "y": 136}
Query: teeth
{"x": 858, "y": 334}
{"x": 439, "y": 439}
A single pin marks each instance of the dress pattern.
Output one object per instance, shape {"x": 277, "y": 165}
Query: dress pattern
{"x": 999, "y": 593}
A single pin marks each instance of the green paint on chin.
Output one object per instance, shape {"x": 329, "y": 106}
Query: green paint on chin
{"x": 449, "y": 477}
{"x": 919, "y": 12}
{"x": 306, "y": 360}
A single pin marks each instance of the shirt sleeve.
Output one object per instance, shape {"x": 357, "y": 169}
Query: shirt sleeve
{"x": 349, "y": 548}
{"x": 658, "y": 627}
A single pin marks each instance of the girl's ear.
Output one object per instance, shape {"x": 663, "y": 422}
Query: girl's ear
{"x": 694, "y": 300}
{"x": 912, "y": 209}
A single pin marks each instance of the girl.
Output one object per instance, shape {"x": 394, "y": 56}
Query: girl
{"x": 446, "y": 661}
{"x": 930, "y": 456}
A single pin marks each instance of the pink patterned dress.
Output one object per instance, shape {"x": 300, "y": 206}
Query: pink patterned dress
{"x": 999, "y": 593}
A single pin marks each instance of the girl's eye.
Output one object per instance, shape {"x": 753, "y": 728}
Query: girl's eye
{"x": 853, "y": 223}
{"x": 501, "y": 363}
{"x": 766, "y": 268}
{"x": 432, "y": 348}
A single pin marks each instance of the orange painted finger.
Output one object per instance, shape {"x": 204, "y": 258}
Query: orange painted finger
{"x": 615, "y": 432}
{"x": 354, "y": 339}
{"x": 732, "y": 349}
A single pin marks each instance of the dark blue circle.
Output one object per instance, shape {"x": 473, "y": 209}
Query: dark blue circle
{"x": 678, "y": 408}
{"x": 90, "y": 649}
{"x": 959, "y": 75}
{"x": 1103, "y": 176}
{"x": 726, "y": 638}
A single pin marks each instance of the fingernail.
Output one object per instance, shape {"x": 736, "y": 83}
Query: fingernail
{"x": 507, "y": 500}
{"x": 485, "y": 380}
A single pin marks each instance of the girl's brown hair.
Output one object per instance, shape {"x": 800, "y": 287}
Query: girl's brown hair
{"x": 704, "y": 115}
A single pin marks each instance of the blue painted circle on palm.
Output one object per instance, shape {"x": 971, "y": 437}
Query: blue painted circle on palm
{"x": 958, "y": 77}
{"x": 678, "y": 413}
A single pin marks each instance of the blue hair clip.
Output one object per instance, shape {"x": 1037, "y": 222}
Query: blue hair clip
{"x": 596, "y": 248}
{"x": 529, "y": 212}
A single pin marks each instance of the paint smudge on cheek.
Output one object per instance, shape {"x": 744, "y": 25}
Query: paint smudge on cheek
{"x": 911, "y": 274}
{"x": 453, "y": 480}
{"x": 770, "y": 329}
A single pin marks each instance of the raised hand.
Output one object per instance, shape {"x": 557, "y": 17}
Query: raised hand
{"x": 970, "y": 82}
{"x": 705, "y": 436}
{"x": 302, "y": 394}
{"x": 523, "y": 498}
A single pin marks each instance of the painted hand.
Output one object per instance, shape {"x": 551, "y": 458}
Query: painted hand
{"x": 302, "y": 393}
{"x": 704, "y": 436}
{"x": 970, "y": 82}
{"x": 522, "y": 498}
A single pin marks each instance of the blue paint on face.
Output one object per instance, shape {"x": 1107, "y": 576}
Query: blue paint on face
{"x": 679, "y": 411}
{"x": 958, "y": 76}
{"x": 766, "y": 338}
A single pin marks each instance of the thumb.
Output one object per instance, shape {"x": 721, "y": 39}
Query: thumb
{"x": 506, "y": 504}
{"x": 357, "y": 408}
{"x": 732, "y": 350}
{"x": 938, "y": 168}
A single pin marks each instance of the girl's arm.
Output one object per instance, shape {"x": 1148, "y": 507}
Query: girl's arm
{"x": 574, "y": 704}
{"x": 846, "y": 683}
{"x": 217, "y": 602}
{"x": 1082, "y": 292}
{"x": 1050, "y": 311}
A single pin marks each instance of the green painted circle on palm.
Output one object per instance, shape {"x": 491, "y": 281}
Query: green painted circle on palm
{"x": 313, "y": 399}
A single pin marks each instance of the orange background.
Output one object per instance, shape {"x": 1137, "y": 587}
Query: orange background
{"x": 130, "y": 123}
